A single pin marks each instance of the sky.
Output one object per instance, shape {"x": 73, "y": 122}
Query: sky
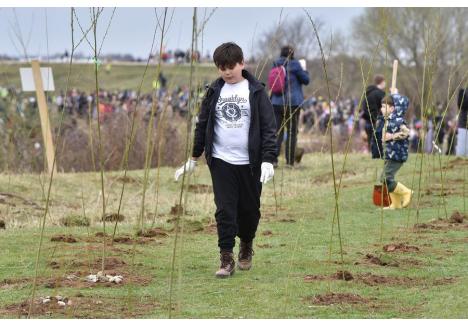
{"x": 48, "y": 30}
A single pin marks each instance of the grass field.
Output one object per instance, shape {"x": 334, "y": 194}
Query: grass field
{"x": 120, "y": 76}
{"x": 422, "y": 274}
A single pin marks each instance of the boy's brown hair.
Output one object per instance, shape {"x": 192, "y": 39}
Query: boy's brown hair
{"x": 227, "y": 55}
{"x": 388, "y": 99}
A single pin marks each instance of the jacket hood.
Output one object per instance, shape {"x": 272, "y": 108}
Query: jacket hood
{"x": 370, "y": 89}
{"x": 401, "y": 105}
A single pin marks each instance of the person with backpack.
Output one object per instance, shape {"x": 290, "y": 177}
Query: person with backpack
{"x": 285, "y": 82}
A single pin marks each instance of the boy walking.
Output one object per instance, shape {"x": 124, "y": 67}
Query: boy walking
{"x": 236, "y": 130}
{"x": 394, "y": 134}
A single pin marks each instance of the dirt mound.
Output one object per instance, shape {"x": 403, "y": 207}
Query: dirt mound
{"x": 126, "y": 239}
{"x": 343, "y": 275}
{"x": 109, "y": 263}
{"x": 265, "y": 245}
{"x": 200, "y": 189}
{"x": 63, "y": 238}
{"x": 177, "y": 209}
{"x": 113, "y": 217}
{"x": 370, "y": 258}
{"x": 374, "y": 280}
{"x": 428, "y": 226}
{"x": 400, "y": 247}
{"x": 127, "y": 179}
{"x": 153, "y": 233}
{"x": 287, "y": 220}
{"x": 337, "y": 298}
{"x": 2, "y": 224}
{"x": 267, "y": 233}
{"x": 457, "y": 217}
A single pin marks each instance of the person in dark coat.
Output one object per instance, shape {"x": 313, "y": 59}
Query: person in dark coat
{"x": 462, "y": 131}
{"x": 287, "y": 104}
{"x": 370, "y": 112}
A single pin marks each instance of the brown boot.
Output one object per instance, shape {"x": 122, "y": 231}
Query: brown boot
{"x": 245, "y": 255}
{"x": 228, "y": 265}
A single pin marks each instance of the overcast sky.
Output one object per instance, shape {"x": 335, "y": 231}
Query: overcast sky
{"x": 131, "y": 30}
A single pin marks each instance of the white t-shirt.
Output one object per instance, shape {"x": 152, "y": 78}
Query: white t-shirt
{"x": 232, "y": 123}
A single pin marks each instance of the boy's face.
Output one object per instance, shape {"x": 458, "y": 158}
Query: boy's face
{"x": 386, "y": 109}
{"x": 232, "y": 75}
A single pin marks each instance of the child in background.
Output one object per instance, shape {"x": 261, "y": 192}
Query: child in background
{"x": 395, "y": 134}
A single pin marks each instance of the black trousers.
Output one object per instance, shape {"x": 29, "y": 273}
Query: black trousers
{"x": 288, "y": 116}
{"x": 237, "y": 190}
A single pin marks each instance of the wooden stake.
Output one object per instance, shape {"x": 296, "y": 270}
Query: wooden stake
{"x": 44, "y": 115}
{"x": 394, "y": 74}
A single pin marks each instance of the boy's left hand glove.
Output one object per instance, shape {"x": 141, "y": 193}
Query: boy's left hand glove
{"x": 267, "y": 172}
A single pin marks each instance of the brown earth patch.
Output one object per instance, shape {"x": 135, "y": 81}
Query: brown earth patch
{"x": 126, "y": 239}
{"x": 2, "y": 224}
{"x": 401, "y": 247}
{"x": 24, "y": 201}
{"x": 457, "y": 217}
{"x": 339, "y": 275}
{"x": 200, "y": 189}
{"x": 113, "y": 217}
{"x": 445, "y": 281}
{"x": 265, "y": 245}
{"x": 177, "y": 210}
{"x": 85, "y": 307}
{"x": 126, "y": 179}
{"x": 267, "y": 233}
{"x": 153, "y": 233}
{"x": 375, "y": 280}
{"x": 370, "y": 258}
{"x": 287, "y": 220}
{"x": 337, "y": 298}
{"x": 68, "y": 238}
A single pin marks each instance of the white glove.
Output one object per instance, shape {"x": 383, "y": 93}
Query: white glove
{"x": 188, "y": 167}
{"x": 302, "y": 62}
{"x": 267, "y": 172}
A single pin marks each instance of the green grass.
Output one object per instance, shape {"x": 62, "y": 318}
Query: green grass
{"x": 120, "y": 76}
{"x": 275, "y": 287}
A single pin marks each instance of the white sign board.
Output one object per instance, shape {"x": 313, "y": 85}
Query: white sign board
{"x": 27, "y": 79}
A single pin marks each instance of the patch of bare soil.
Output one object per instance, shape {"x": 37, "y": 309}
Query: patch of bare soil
{"x": 2, "y": 224}
{"x": 153, "y": 233}
{"x": 370, "y": 258}
{"x": 109, "y": 263}
{"x": 126, "y": 239}
{"x": 68, "y": 238}
{"x": 211, "y": 228}
{"x": 200, "y": 189}
{"x": 457, "y": 162}
{"x": 339, "y": 275}
{"x": 400, "y": 247}
{"x": 267, "y": 233}
{"x": 457, "y": 217}
{"x": 375, "y": 280}
{"x": 287, "y": 220}
{"x": 113, "y": 217}
{"x": 265, "y": 246}
{"x": 177, "y": 210}
{"x": 127, "y": 179}
{"x": 10, "y": 284}
{"x": 337, "y": 298}
{"x": 445, "y": 281}
{"x": 456, "y": 221}
{"x": 85, "y": 307}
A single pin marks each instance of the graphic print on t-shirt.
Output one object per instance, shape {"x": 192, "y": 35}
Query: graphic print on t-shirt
{"x": 231, "y": 109}
{"x": 232, "y": 123}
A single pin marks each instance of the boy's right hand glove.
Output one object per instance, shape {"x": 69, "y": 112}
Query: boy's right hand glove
{"x": 188, "y": 167}
{"x": 267, "y": 172}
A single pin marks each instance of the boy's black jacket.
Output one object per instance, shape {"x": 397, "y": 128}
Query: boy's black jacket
{"x": 262, "y": 138}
